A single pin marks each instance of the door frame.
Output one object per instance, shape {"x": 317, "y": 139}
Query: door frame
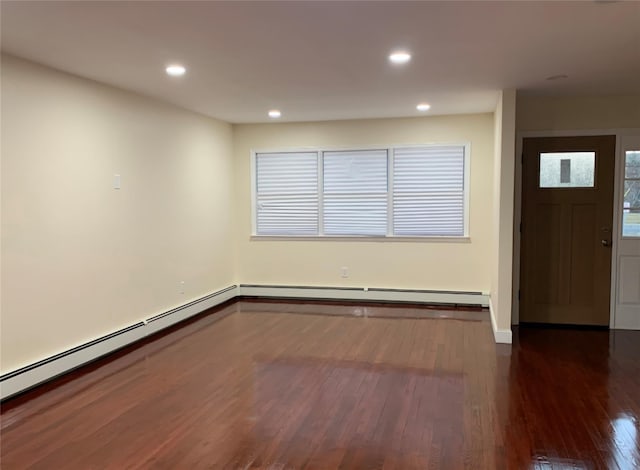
{"x": 617, "y": 194}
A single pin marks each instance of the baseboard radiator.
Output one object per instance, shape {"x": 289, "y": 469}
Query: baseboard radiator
{"x": 366, "y": 294}
{"x": 34, "y": 374}
{"x": 27, "y": 377}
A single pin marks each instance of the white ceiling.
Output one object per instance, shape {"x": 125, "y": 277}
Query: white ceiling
{"x": 328, "y": 60}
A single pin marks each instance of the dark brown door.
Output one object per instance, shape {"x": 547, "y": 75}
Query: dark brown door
{"x": 567, "y": 213}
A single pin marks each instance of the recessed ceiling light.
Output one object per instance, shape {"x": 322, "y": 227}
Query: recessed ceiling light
{"x": 399, "y": 57}
{"x": 557, "y": 77}
{"x": 175, "y": 70}
{"x": 423, "y": 107}
{"x": 274, "y": 114}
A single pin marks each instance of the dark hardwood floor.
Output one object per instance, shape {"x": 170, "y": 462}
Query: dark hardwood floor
{"x": 373, "y": 387}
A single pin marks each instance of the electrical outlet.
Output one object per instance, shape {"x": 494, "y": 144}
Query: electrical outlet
{"x": 344, "y": 272}
{"x": 182, "y": 287}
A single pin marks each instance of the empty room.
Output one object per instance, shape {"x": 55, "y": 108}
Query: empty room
{"x": 320, "y": 234}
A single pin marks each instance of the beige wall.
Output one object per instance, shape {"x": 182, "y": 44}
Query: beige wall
{"x": 392, "y": 264}
{"x": 577, "y": 112}
{"x": 503, "y": 211}
{"x": 80, "y": 259}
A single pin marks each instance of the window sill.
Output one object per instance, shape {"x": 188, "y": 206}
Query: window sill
{"x": 357, "y": 238}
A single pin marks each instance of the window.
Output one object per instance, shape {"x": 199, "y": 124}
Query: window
{"x": 429, "y": 191}
{"x": 416, "y": 191}
{"x": 287, "y": 193}
{"x": 631, "y": 199}
{"x": 355, "y": 193}
{"x": 567, "y": 170}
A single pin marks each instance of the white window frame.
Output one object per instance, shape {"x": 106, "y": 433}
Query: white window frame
{"x": 626, "y": 147}
{"x": 465, "y": 238}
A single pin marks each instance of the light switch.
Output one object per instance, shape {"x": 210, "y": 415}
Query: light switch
{"x": 116, "y": 181}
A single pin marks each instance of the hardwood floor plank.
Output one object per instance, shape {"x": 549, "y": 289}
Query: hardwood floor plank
{"x": 320, "y": 386}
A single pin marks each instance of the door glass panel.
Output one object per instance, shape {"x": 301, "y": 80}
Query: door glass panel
{"x": 567, "y": 169}
{"x": 631, "y": 196}
{"x": 632, "y": 164}
{"x": 632, "y": 193}
{"x": 631, "y": 223}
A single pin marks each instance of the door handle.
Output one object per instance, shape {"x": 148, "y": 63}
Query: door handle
{"x": 605, "y": 242}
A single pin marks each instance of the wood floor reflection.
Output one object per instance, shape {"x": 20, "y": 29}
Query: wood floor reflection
{"x": 284, "y": 385}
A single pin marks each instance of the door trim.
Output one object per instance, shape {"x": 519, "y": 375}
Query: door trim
{"x": 517, "y": 219}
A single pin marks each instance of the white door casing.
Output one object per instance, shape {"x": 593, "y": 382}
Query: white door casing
{"x": 627, "y": 289}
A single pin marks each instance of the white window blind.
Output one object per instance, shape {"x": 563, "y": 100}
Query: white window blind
{"x": 419, "y": 191}
{"x": 287, "y": 193}
{"x": 355, "y": 192}
{"x": 428, "y": 191}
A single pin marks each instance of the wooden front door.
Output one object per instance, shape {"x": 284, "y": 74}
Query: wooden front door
{"x": 567, "y": 217}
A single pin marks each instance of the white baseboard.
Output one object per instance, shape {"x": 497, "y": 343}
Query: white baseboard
{"x": 366, "y": 294}
{"x": 500, "y": 336}
{"x": 29, "y": 376}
